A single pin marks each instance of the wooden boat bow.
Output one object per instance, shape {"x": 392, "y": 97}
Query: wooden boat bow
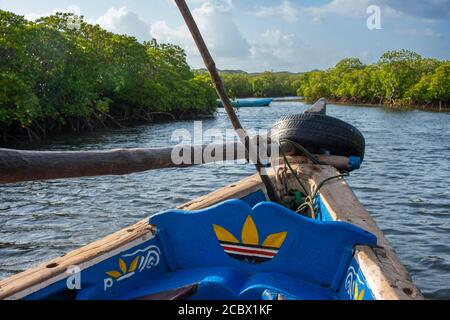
{"x": 386, "y": 276}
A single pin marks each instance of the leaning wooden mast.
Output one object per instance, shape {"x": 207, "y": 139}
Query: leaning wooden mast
{"x": 218, "y": 84}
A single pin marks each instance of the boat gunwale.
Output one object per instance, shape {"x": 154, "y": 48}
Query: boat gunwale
{"x": 32, "y": 280}
{"x": 387, "y": 277}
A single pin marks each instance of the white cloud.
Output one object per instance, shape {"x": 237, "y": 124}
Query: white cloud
{"x": 419, "y": 9}
{"x": 215, "y": 20}
{"x": 340, "y": 7}
{"x": 285, "y": 10}
{"x": 122, "y": 21}
{"x": 272, "y": 50}
{"x": 287, "y": 51}
{"x": 427, "y": 33}
{"x": 161, "y": 31}
{"x": 70, "y": 9}
{"x": 292, "y": 13}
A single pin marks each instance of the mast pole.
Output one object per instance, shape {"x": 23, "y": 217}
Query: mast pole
{"x": 218, "y": 84}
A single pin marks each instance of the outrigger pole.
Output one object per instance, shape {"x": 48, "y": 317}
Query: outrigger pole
{"x": 218, "y": 84}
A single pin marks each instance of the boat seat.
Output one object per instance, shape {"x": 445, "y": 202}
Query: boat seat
{"x": 231, "y": 284}
{"x": 266, "y": 239}
{"x": 212, "y": 284}
{"x": 263, "y": 285}
{"x": 174, "y": 294}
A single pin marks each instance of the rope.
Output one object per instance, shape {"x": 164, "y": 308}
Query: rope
{"x": 310, "y": 200}
{"x": 308, "y": 204}
{"x": 294, "y": 173}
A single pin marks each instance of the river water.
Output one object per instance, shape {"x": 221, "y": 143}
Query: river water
{"x": 404, "y": 183}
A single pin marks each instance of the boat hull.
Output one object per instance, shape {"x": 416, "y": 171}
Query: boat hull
{"x": 115, "y": 267}
{"x": 248, "y": 103}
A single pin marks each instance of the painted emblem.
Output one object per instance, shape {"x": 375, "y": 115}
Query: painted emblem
{"x": 249, "y": 248}
{"x": 354, "y": 285}
{"x": 139, "y": 261}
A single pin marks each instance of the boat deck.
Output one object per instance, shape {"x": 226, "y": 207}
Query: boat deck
{"x": 386, "y": 276}
{"x": 232, "y": 284}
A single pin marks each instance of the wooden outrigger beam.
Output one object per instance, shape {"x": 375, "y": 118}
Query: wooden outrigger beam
{"x": 21, "y": 166}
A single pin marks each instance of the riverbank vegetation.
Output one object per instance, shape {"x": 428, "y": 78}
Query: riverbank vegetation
{"x": 267, "y": 84}
{"x": 60, "y": 73}
{"x": 399, "y": 78}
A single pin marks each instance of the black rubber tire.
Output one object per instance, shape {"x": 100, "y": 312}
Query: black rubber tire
{"x": 318, "y": 133}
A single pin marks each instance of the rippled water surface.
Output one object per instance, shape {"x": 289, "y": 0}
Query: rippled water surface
{"x": 404, "y": 183}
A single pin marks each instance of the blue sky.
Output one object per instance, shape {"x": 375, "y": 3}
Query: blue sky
{"x": 280, "y": 35}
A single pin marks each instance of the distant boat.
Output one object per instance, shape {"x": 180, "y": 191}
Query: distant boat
{"x": 248, "y": 103}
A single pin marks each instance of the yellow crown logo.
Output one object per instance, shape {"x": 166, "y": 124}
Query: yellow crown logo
{"x": 358, "y": 295}
{"x": 249, "y": 249}
{"x": 125, "y": 272}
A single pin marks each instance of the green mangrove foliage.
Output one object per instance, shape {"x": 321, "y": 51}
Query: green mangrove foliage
{"x": 399, "y": 78}
{"x": 267, "y": 84}
{"x": 55, "y": 77}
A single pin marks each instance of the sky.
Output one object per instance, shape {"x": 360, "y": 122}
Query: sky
{"x": 271, "y": 35}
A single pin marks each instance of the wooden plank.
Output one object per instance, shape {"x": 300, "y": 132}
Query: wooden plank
{"x": 18, "y": 165}
{"x": 385, "y": 274}
{"x": 320, "y": 107}
{"x": 54, "y": 270}
{"x": 233, "y": 191}
{"x": 29, "y": 281}
{"x": 339, "y": 162}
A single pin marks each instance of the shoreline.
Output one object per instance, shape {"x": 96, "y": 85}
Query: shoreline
{"x": 22, "y": 140}
{"x": 397, "y": 108}
{"x": 348, "y": 103}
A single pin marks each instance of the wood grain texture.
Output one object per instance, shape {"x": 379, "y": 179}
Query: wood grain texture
{"x": 54, "y": 270}
{"x": 18, "y": 165}
{"x": 41, "y": 276}
{"x": 320, "y": 107}
{"x": 386, "y": 276}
